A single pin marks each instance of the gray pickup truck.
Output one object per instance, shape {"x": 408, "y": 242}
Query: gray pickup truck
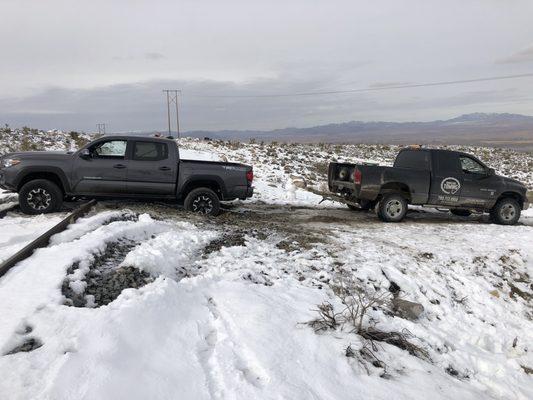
{"x": 430, "y": 177}
{"x": 122, "y": 166}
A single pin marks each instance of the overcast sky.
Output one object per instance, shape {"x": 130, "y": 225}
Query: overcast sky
{"x": 71, "y": 64}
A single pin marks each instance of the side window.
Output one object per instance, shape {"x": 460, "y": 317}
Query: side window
{"x": 471, "y": 166}
{"x": 110, "y": 149}
{"x": 413, "y": 159}
{"x": 150, "y": 151}
{"x": 446, "y": 162}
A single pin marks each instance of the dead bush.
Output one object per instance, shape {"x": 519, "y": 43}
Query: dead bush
{"x": 357, "y": 305}
{"x": 327, "y": 318}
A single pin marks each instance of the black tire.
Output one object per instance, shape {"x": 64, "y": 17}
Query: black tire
{"x": 461, "y": 212}
{"x": 202, "y": 201}
{"x": 506, "y": 211}
{"x": 392, "y": 208}
{"x": 40, "y": 196}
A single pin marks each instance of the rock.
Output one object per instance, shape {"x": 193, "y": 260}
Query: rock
{"x": 394, "y": 288}
{"x": 298, "y": 181}
{"x": 407, "y": 309}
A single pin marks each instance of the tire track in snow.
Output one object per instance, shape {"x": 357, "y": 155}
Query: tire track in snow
{"x": 48, "y": 266}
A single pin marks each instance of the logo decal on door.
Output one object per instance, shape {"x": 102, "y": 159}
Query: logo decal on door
{"x": 450, "y": 185}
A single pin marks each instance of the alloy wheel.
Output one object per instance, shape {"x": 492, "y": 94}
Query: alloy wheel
{"x": 202, "y": 204}
{"x": 39, "y": 199}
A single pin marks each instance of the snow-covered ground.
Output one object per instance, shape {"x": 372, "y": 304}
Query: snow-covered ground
{"x": 223, "y": 311}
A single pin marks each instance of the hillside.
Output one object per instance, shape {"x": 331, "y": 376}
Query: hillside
{"x": 27, "y": 139}
{"x": 500, "y": 130}
{"x": 280, "y": 297}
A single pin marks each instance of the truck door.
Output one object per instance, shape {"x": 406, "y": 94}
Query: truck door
{"x": 152, "y": 168}
{"x": 446, "y": 178}
{"x": 103, "y": 171}
{"x": 479, "y": 184}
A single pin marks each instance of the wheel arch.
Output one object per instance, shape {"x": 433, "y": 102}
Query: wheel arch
{"x": 395, "y": 187}
{"x": 511, "y": 194}
{"x": 212, "y": 182}
{"x": 54, "y": 175}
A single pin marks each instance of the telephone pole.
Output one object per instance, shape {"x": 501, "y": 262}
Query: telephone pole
{"x": 172, "y": 98}
{"x": 101, "y": 129}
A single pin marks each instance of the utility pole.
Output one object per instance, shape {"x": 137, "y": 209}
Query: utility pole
{"x": 172, "y": 98}
{"x": 101, "y": 129}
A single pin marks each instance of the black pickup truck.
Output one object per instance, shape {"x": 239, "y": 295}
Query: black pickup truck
{"x": 122, "y": 166}
{"x": 430, "y": 177}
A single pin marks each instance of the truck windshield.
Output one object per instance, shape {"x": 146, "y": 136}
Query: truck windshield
{"x": 413, "y": 159}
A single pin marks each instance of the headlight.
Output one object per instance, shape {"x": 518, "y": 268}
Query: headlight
{"x": 9, "y": 162}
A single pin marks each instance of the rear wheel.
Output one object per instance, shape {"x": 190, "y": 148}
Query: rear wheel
{"x": 202, "y": 201}
{"x": 506, "y": 211}
{"x": 40, "y": 196}
{"x": 392, "y": 208}
{"x": 461, "y": 212}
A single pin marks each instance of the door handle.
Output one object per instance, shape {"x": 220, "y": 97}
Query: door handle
{"x": 119, "y": 166}
{"x": 165, "y": 168}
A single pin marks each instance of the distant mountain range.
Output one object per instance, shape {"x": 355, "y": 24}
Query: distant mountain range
{"x": 500, "y": 130}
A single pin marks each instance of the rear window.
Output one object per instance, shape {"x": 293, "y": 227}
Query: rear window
{"x": 150, "y": 151}
{"x": 413, "y": 159}
{"x": 446, "y": 161}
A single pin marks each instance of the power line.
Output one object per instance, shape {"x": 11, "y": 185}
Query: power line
{"x": 371, "y": 89}
{"x": 172, "y": 97}
{"x": 101, "y": 129}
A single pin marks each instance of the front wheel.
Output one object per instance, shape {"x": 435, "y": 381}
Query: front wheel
{"x": 506, "y": 211}
{"x": 392, "y": 208}
{"x": 40, "y": 196}
{"x": 202, "y": 201}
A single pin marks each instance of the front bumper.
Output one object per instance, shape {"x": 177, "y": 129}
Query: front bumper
{"x": 528, "y": 200}
{"x": 4, "y": 181}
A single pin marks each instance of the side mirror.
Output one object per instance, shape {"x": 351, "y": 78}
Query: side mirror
{"x": 85, "y": 154}
{"x": 491, "y": 172}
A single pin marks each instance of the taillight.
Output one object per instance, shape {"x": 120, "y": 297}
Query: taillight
{"x": 250, "y": 176}
{"x": 357, "y": 175}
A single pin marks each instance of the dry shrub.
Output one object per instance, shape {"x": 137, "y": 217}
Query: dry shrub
{"x": 356, "y": 307}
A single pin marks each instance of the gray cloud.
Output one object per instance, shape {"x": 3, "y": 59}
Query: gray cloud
{"x": 522, "y": 56}
{"x": 142, "y": 106}
{"x": 154, "y": 56}
{"x": 107, "y": 61}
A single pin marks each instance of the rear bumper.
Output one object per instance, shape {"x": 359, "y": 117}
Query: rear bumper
{"x": 240, "y": 192}
{"x": 335, "y": 184}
